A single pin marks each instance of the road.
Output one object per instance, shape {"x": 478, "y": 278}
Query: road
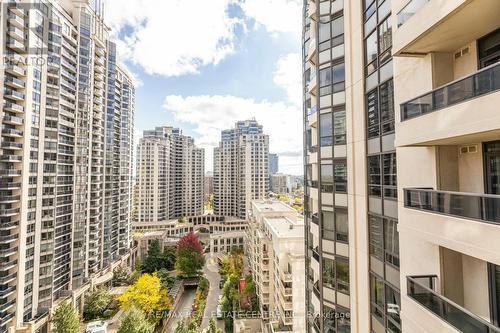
{"x": 183, "y": 309}
{"x": 211, "y": 272}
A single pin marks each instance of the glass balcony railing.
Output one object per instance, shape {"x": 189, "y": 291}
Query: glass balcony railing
{"x": 481, "y": 207}
{"x": 421, "y": 290}
{"x": 411, "y": 8}
{"x": 480, "y": 83}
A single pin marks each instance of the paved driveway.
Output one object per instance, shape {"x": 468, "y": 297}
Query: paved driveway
{"x": 211, "y": 272}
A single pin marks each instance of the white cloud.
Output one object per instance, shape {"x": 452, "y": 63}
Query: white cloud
{"x": 174, "y": 37}
{"x": 288, "y": 76}
{"x": 211, "y": 114}
{"x": 277, "y": 16}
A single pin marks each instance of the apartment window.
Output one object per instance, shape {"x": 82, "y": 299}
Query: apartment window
{"x": 329, "y": 320}
{"x": 371, "y": 53}
{"x": 340, "y": 176}
{"x": 341, "y": 226}
{"x": 391, "y": 242}
{"x": 342, "y": 270}
{"x": 327, "y": 178}
{"x": 326, "y": 129}
{"x": 377, "y": 297}
{"x": 328, "y": 225}
{"x": 372, "y": 114}
{"x": 390, "y": 176}
{"x": 376, "y": 234}
{"x": 374, "y": 176}
{"x": 339, "y": 128}
{"x": 392, "y": 308}
{"x": 329, "y": 273}
{"x": 387, "y": 106}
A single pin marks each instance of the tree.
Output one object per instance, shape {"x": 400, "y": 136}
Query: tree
{"x": 96, "y": 303}
{"x": 65, "y": 319}
{"x": 148, "y": 296}
{"x": 135, "y": 322}
{"x": 190, "y": 258}
{"x": 121, "y": 276}
{"x": 168, "y": 258}
{"x": 167, "y": 281}
{"x": 212, "y": 327}
{"x": 154, "y": 258}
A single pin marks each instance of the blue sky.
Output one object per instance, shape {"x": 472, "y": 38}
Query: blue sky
{"x": 202, "y": 65}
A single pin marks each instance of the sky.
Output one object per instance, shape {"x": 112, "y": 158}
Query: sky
{"x": 202, "y": 65}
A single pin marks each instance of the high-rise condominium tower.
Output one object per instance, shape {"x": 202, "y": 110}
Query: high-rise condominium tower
{"x": 240, "y": 168}
{"x": 59, "y": 224}
{"x": 170, "y": 172}
{"x": 386, "y": 78}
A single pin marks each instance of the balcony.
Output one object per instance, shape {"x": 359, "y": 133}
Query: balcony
{"x": 311, "y": 52}
{"x": 15, "y": 70}
{"x": 8, "y": 212}
{"x": 14, "y": 83}
{"x": 12, "y": 94}
{"x": 9, "y": 198}
{"x": 426, "y": 26}
{"x": 421, "y": 290}
{"x": 479, "y": 207}
{"x": 11, "y": 158}
{"x": 311, "y": 10}
{"x": 15, "y": 45}
{"x": 13, "y": 107}
{"x": 12, "y": 120}
{"x": 10, "y": 173}
{"x": 16, "y": 21}
{"x": 12, "y": 132}
{"x": 446, "y": 113}
{"x": 16, "y": 33}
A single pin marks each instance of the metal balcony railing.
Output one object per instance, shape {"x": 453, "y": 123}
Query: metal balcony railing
{"x": 481, "y": 207}
{"x": 483, "y": 82}
{"x": 421, "y": 290}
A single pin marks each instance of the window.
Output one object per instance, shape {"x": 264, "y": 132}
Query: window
{"x": 387, "y": 106}
{"x": 342, "y": 271}
{"x": 377, "y": 297}
{"x": 342, "y": 226}
{"x": 371, "y": 50}
{"x": 327, "y": 178}
{"x": 391, "y": 242}
{"x": 325, "y": 129}
{"x": 376, "y": 235}
{"x": 329, "y": 273}
{"x": 340, "y": 176}
{"x": 328, "y": 225}
{"x": 372, "y": 114}
{"x": 390, "y": 177}
{"x": 338, "y": 77}
{"x": 329, "y": 319}
{"x": 324, "y": 32}
{"x": 385, "y": 40}
{"x": 392, "y": 308}
{"x": 339, "y": 128}
{"x": 374, "y": 176}
{"x": 338, "y": 31}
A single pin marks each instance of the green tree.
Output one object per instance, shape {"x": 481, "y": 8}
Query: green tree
{"x": 167, "y": 280}
{"x": 212, "y": 327}
{"x": 135, "y": 322}
{"x": 65, "y": 319}
{"x": 154, "y": 258}
{"x": 190, "y": 258}
{"x": 121, "y": 276}
{"x": 96, "y": 303}
{"x": 168, "y": 258}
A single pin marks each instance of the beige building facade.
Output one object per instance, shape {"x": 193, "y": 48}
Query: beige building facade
{"x": 274, "y": 246}
{"x": 401, "y": 157}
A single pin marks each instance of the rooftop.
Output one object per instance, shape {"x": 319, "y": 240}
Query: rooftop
{"x": 272, "y": 206}
{"x": 283, "y": 227}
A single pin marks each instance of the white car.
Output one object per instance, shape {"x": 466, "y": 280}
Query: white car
{"x": 97, "y": 327}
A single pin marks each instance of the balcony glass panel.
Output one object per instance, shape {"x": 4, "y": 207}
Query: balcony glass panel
{"x": 480, "y": 83}
{"x": 482, "y": 207}
{"x": 421, "y": 290}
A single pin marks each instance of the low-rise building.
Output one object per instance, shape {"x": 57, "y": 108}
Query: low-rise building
{"x": 275, "y": 248}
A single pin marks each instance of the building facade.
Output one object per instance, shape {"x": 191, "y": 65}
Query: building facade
{"x": 170, "y": 175}
{"x": 54, "y": 82}
{"x": 241, "y": 169}
{"x": 380, "y": 249}
{"x": 208, "y": 186}
{"x": 273, "y": 164}
{"x": 274, "y": 245}
{"x": 447, "y": 87}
